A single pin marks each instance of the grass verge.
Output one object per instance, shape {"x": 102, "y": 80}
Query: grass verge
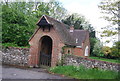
{"x": 84, "y": 73}
{"x": 107, "y": 60}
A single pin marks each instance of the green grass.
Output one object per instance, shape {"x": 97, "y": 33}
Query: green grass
{"x": 105, "y": 59}
{"x": 84, "y": 73}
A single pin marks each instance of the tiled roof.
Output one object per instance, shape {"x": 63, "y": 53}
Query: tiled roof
{"x": 69, "y": 38}
{"x": 79, "y": 36}
{"x": 62, "y": 30}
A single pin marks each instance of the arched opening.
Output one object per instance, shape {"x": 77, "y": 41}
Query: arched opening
{"x": 68, "y": 51}
{"x": 45, "y": 51}
{"x": 86, "y": 51}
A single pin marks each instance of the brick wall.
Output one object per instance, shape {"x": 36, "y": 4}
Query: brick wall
{"x": 74, "y": 51}
{"x": 78, "y": 52}
{"x": 35, "y": 46}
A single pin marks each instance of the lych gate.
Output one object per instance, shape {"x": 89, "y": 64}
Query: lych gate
{"x": 52, "y": 39}
{"x": 45, "y": 51}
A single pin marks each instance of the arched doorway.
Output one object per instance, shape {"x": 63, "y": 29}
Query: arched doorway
{"x": 45, "y": 51}
{"x": 86, "y": 51}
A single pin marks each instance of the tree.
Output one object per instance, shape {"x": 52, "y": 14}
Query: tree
{"x": 41, "y": 9}
{"x": 78, "y": 21}
{"x": 115, "y": 49}
{"x": 92, "y": 45}
{"x": 107, "y": 51}
{"x": 97, "y": 49}
{"x": 110, "y": 9}
{"x": 52, "y": 8}
{"x": 17, "y": 23}
{"x": 57, "y": 10}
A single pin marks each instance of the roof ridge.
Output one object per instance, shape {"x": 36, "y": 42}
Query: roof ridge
{"x": 56, "y": 20}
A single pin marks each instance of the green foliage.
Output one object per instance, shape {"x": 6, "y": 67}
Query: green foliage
{"x": 106, "y": 50}
{"x": 53, "y": 8}
{"x": 84, "y": 73}
{"x": 75, "y": 20}
{"x": 78, "y": 21}
{"x": 6, "y": 45}
{"x": 92, "y": 43}
{"x": 108, "y": 33}
{"x": 9, "y": 45}
{"x": 56, "y": 11}
{"x": 61, "y": 62}
{"x": 17, "y": 25}
{"x": 97, "y": 49}
{"x": 110, "y": 8}
{"x": 41, "y": 9}
{"x": 115, "y": 50}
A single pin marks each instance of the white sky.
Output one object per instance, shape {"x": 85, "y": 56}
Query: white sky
{"x": 88, "y": 8}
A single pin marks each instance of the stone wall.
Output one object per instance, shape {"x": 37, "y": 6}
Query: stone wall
{"x": 90, "y": 63}
{"x": 15, "y": 56}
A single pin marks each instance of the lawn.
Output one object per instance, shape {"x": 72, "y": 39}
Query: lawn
{"x": 84, "y": 73}
{"x": 107, "y": 60}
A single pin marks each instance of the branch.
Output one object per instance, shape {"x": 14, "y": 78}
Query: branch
{"x": 6, "y": 1}
{"x": 115, "y": 14}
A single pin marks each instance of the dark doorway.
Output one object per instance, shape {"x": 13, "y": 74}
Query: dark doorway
{"x": 45, "y": 51}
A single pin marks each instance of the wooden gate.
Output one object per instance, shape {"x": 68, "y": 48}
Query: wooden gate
{"x": 45, "y": 51}
{"x": 45, "y": 59}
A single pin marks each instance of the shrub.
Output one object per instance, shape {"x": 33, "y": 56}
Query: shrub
{"x": 115, "y": 50}
{"x": 6, "y": 45}
{"x": 9, "y": 45}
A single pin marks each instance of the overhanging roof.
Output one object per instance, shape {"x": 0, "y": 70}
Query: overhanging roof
{"x": 61, "y": 28}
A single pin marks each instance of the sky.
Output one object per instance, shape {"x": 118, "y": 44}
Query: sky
{"x": 89, "y": 9}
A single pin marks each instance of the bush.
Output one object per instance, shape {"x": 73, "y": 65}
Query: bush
{"x": 9, "y": 45}
{"x": 97, "y": 49}
{"x": 6, "y": 45}
{"x": 17, "y": 26}
{"x": 115, "y": 50}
